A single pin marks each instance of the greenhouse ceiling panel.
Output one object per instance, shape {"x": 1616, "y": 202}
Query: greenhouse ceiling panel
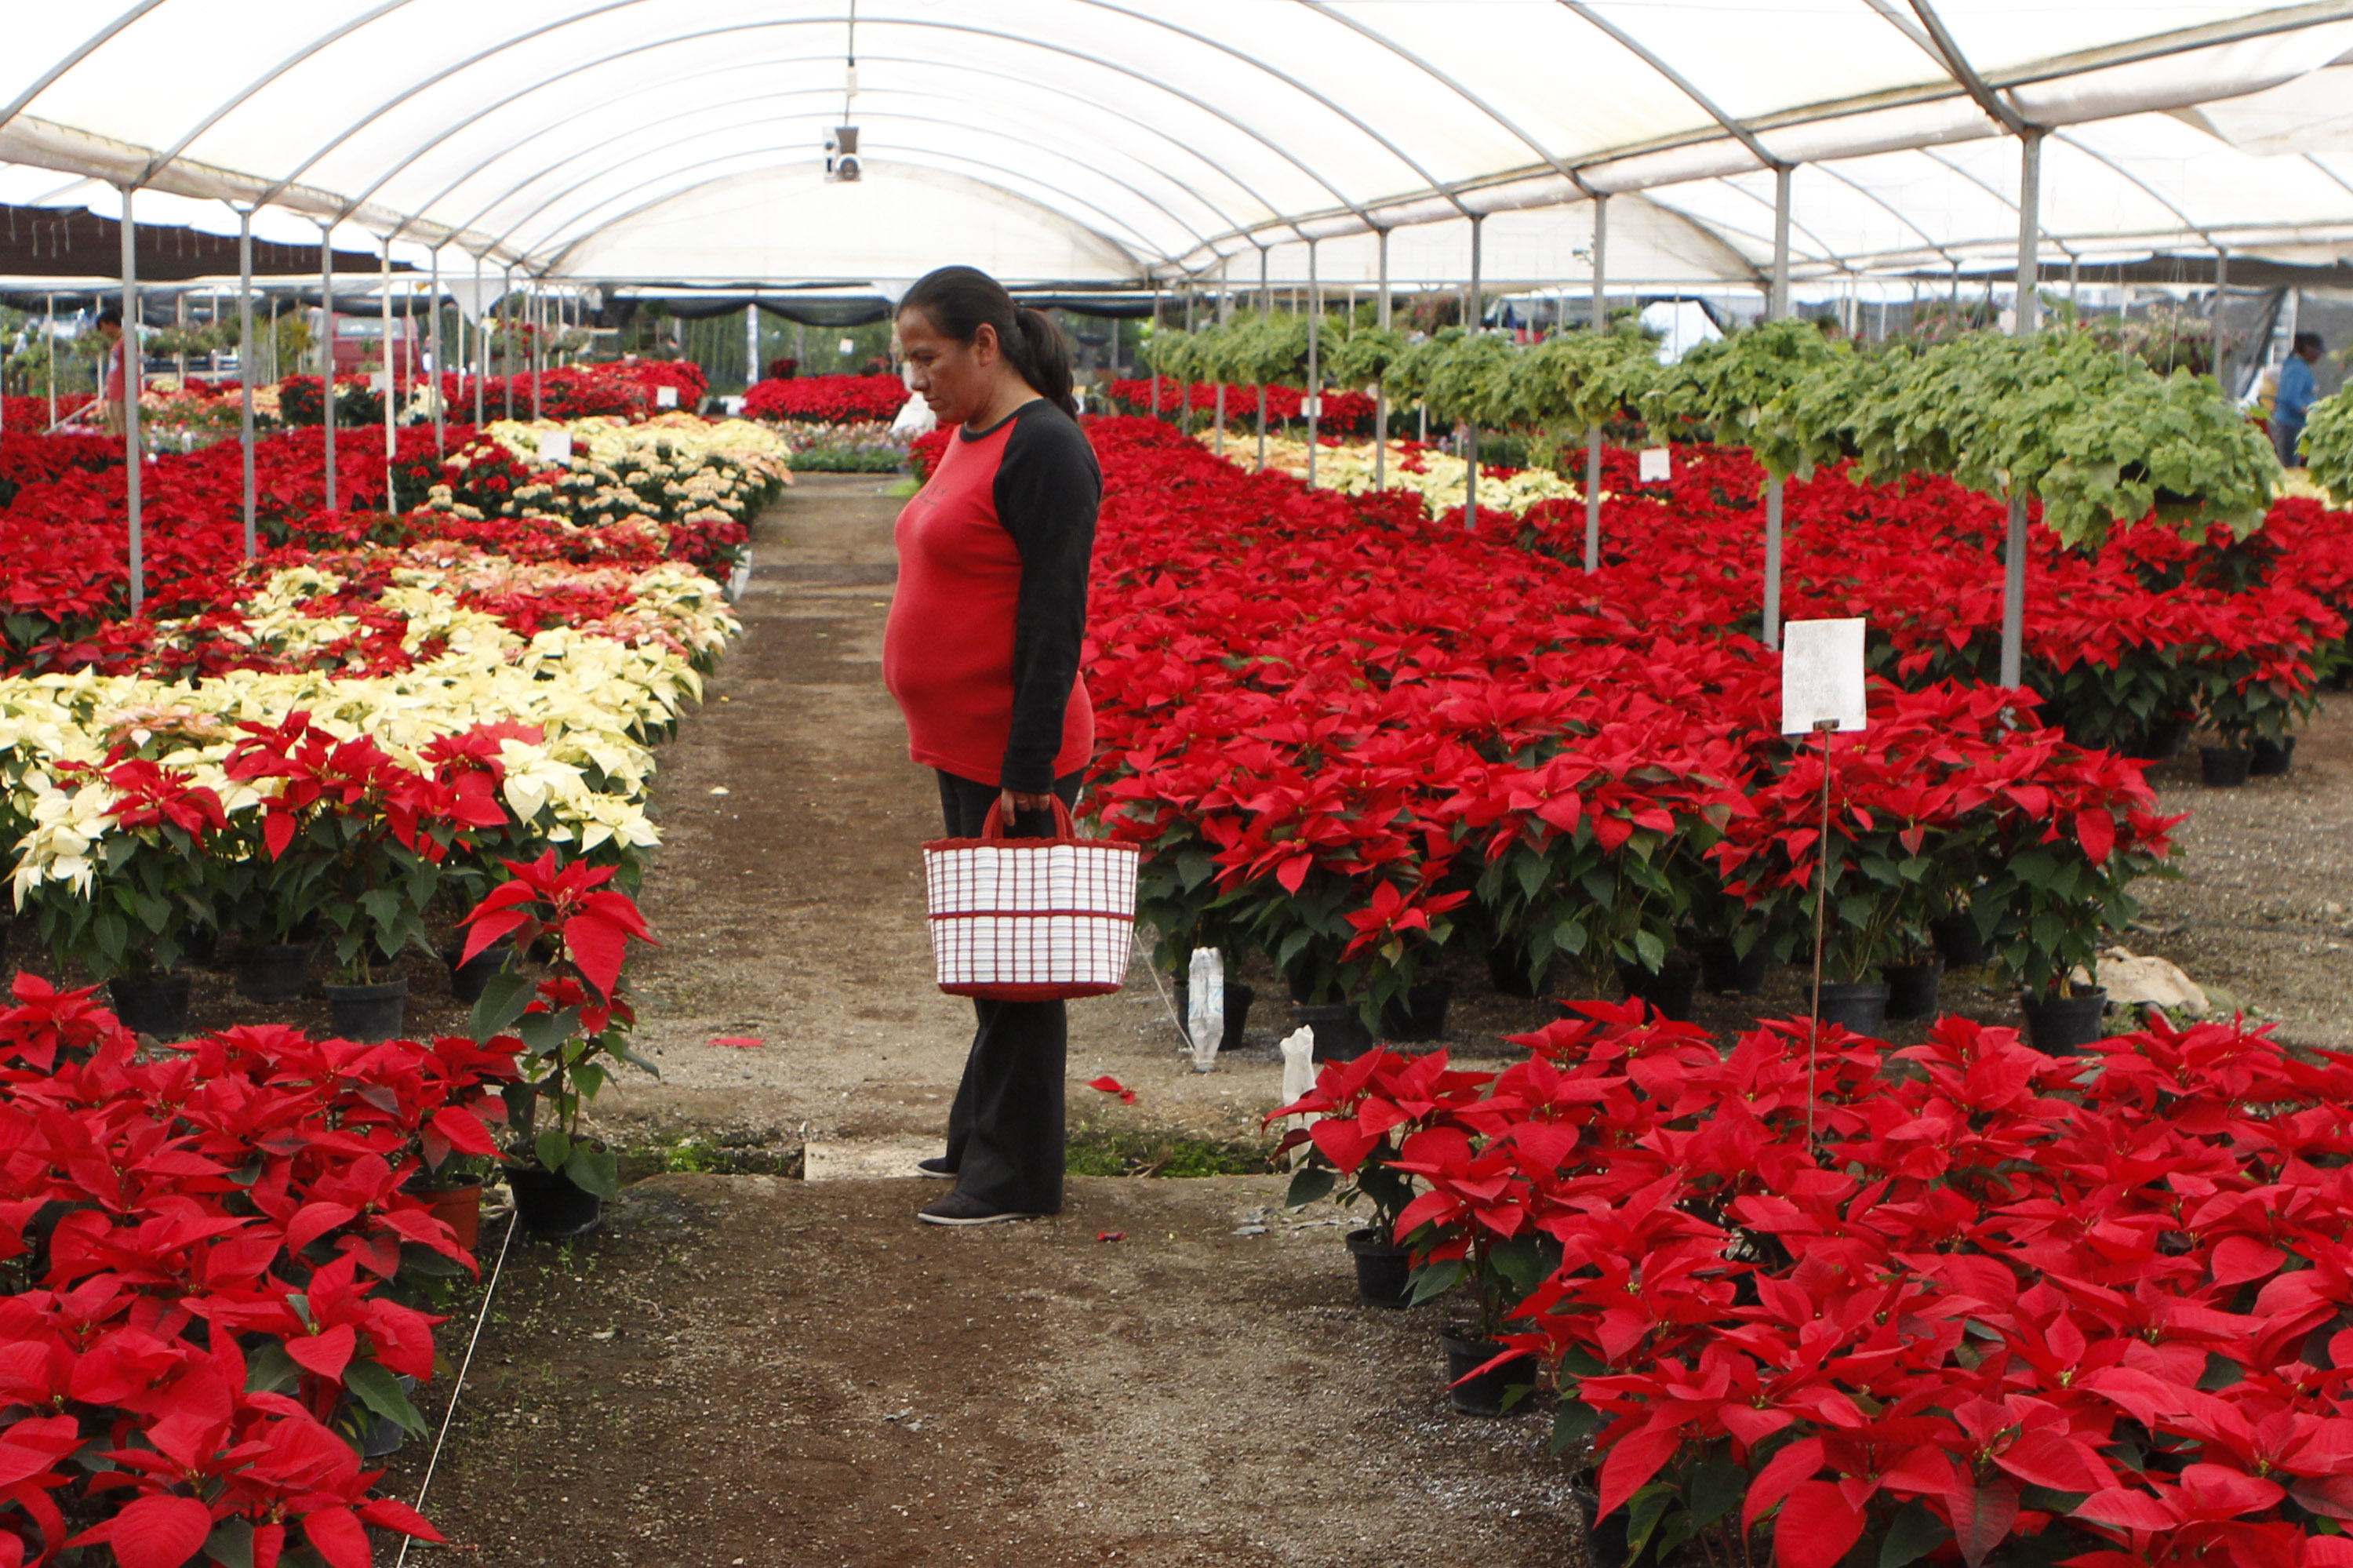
{"x": 1120, "y": 139}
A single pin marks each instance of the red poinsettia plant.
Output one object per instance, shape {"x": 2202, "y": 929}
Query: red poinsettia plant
{"x": 572, "y": 1025}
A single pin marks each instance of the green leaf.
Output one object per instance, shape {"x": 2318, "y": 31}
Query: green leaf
{"x": 594, "y": 1170}
{"x": 1651, "y": 950}
{"x": 231, "y": 1543}
{"x": 1716, "y": 1488}
{"x": 270, "y": 1370}
{"x": 1915, "y": 1533}
{"x": 380, "y": 1392}
{"x": 1573, "y": 1421}
{"x": 1642, "y": 1516}
{"x": 1432, "y": 1280}
{"x": 551, "y": 1148}
{"x": 1311, "y": 1182}
{"x": 502, "y": 1003}
{"x": 543, "y": 1031}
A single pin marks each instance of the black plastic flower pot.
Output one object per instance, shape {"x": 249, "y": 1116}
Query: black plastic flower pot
{"x": 1305, "y": 991}
{"x": 2063, "y": 1025}
{"x": 1340, "y": 1031}
{"x": 1507, "y": 971}
{"x": 1957, "y": 941}
{"x": 277, "y": 974}
{"x": 1726, "y": 972}
{"x": 157, "y": 1005}
{"x": 551, "y": 1205}
{"x": 2159, "y": 742}
{"x": 1483, "y": 1395}
{"x": 1384, "y": 1269}
{"x": 1858, "y": 1006}
{"x": 1911, "y": 989}
{"x": 2224, "y": 767}
{"x": 369, "y": 1012}
{"x": 1418, "y": 1015}
{"x": 1238, "y": 998}
{"x": 2272, "y": 757}
{"x": 468, "y": 979}
{"x": 1668, "y": 991}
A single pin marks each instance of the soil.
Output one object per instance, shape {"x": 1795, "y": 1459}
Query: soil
{"x": 748, "y": 1369}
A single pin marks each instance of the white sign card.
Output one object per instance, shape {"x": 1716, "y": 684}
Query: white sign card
{"x": 849, "y": 345}
{"x": 665, "y": 396}
{"x": 381, "y": 381}
{"x": 1310, "y": 408}
{"x": 1658, "y": 465}
{"x": 555, "y": 448}
{"x": 1822, "y": 675}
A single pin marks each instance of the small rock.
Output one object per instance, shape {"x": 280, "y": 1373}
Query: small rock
{"x": 2136, "y": 980}
{"x": 1250, "y": 1231}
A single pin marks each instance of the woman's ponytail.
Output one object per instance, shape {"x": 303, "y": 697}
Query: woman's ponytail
{"x": 956, "y": 301}
{"x": 1045, "y": 363}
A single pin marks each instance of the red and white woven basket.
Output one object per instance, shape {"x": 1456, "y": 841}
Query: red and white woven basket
{"x": 1030, "y": 919}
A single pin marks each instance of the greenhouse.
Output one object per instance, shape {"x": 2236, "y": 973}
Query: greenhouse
{"x": 1266, "y": 782}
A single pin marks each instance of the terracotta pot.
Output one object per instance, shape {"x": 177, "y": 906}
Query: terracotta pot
{"x": 457, "y": 1206}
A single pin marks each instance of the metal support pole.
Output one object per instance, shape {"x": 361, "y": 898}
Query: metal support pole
{"x": 133, "y": 380}
{"x": 245, "y": 364}
{"x": 327, "y": 350}
{"x": 1471, "y": 316}
{"x": 482, "y": 343}
{"x": 2027, "y": 317}
{"x": 1380, "y": 393}
{"x": 751, "y": 342}
{"x": 1315, "y": 384}
{"x": 2221, "y": 324}
{"x": 391, "y": 380}
{"x": 506, "y": 340}
{"x": 1776, "y": 306}
{"x": 1593, "y": 436}
{"x": 534, "y": 306}
{"x": 1266, "y": 307}
{"x": 440, "y": 444}
{"x": 1156, "y": 351}
{"x": 50, "y": 328}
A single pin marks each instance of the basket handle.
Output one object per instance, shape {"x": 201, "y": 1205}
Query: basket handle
{"x": 993, "y": 825}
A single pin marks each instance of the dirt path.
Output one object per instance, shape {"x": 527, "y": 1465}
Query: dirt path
{"x": 788, "y": 891}
{"x": 747, "y": 1369}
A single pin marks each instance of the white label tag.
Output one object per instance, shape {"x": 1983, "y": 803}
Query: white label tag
{"x": 1310, "y": 408}
{"x": 1658, "y": 465}
{"x": 1822, "y": 675}
{"x": 665, "y": 396}
{"x": 849, "y": 345}
{"x": 380, "y": 382}
{"x": 555, "y": 448}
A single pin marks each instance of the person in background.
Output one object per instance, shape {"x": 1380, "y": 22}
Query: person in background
{"x": 111, "y": 381}
{"x": 2296, "y": 393}
{"x": 981, "y": 651}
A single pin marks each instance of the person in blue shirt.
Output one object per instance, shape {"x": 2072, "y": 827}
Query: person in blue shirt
{"x": 2295, "y": 397}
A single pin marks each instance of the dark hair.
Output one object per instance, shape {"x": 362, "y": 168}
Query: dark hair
{"x": 110, "y": 316}
{"x": 957, "y": 300}
{"x": 2305, "y": 340}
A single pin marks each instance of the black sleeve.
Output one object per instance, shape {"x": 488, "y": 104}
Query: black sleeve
{"x": 1047, "y": 488}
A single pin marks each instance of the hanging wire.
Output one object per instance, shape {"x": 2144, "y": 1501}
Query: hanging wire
{"x": 456, "y": 1388}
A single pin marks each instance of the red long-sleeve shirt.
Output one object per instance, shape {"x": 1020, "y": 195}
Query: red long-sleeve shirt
{"x": 982, "y": 645}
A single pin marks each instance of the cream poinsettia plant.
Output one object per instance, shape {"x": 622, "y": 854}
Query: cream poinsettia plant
{"x": 1435, "y": 476}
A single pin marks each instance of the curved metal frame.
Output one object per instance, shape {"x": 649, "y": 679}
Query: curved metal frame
{"x": 774, "y": 23}
{"x": 89, "y": 46}
{"x": 1148, "y": 246}
{"x": 556, "y": 259}
{"x": 1675, "y": 79}
{"x": 1089, "y": 103}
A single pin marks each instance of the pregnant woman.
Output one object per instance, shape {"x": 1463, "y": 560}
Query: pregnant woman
{"x": 982, "y": 654}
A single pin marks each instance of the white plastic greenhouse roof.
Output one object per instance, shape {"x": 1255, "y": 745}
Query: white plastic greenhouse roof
{"x": 1102, "y": 140}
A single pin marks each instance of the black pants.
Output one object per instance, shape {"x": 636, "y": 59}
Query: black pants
{"x": 1004, "y": 1130}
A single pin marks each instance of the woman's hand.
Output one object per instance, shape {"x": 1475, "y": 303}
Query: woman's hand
{"x": 1016, "y": 800}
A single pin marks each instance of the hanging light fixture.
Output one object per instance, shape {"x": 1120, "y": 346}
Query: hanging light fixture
{"x": 841, "y": 164}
